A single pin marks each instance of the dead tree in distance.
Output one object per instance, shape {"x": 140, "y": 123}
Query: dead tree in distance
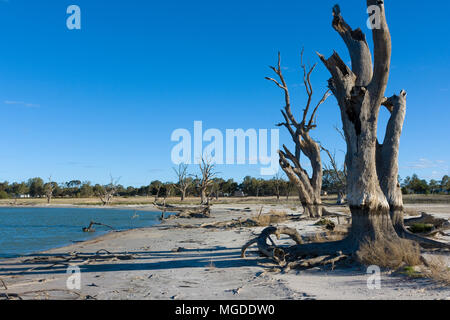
{"x": 206, "y": 181}
{"x": 184, "y": 181}
{"x": 277, "y": 182}
{"x": 309, "y": 189}
{"x": 49, "y": 188}
{"x": 107, "y": 193}
{"x": 338, "y": 178}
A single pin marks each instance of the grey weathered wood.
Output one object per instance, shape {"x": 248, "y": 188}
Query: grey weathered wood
{"x": 309, "y": 188}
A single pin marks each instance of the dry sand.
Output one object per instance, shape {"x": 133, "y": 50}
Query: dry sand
{"x": 199, "y": 263}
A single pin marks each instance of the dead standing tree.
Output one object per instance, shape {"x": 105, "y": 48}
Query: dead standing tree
{"x": 309, "y": 189}
{"x": 49, "y": 188}
{"x": 337, "y": 177}
{"x": 206, "y": 180}
{"x": 373, "y": 191}
{"x": 107, "y": 193}
{"x": 184, "y": 182}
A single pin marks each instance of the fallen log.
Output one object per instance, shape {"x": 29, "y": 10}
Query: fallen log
{"x": 317, "y": 261}
{"x": 203, "y": 211}
{"x": 426, "y": 218}
{"x": 435, "y": 225}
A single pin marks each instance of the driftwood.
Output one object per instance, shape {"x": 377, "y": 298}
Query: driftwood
{"x": 10, "y": 296}
{"x": 235, "y": 223}
{"x": 203, "y": 211}
{"x": 317, "y": 261}
{"x": 272, "y": 251}
{"x": 438, "y": 225}
{"x": 427, "y": 219}
{"x": 4, "y": 284}
{"x": 45, "y": 292}
{"x": 75, "y": 258}
{"x": 90, "y": 229}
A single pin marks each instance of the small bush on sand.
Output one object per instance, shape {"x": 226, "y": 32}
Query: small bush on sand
{"x": 411, "y": 212}
{"x": 324, "y": 237}
{"x": 389, "y": 254}
{"x": 271, "y": 217}
{"x": 438, "y": 270}
{"x": 328, "y": 224}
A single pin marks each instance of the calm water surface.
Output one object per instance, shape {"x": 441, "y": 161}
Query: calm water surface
{"x": 28, "y": 230}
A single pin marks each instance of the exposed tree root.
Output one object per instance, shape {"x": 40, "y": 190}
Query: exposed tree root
{"x": 329, "y": 252}
{"x": 422, "y": 240}
{"x": 272, "y": 251}
{"x": 308, "y": 255}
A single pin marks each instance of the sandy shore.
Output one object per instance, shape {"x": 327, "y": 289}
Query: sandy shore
{"x": 165, "y": 262}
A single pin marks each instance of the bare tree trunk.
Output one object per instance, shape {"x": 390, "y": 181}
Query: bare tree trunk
{"x": 360, "y": 93}
{"x": 183, "y": 179}
{"x": 49, "y": 190}
{"x": 208, "y": 174}
{"x": 373, "y": 191}
{"x": 309, "y": 189}
{"x": 157, "y": 194}
{"x": 203, "y": 196}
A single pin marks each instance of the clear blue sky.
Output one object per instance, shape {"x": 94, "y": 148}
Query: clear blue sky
{"x": 105, "y": 99}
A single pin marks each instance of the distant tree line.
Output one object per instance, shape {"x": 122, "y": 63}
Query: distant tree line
{"x": 250, "y": 186}
{"x": 415, "y": 185}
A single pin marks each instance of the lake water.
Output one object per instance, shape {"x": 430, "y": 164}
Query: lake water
{"x": 29, "y": 230}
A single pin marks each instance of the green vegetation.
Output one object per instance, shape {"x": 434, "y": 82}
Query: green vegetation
{"x": 4, "y": 195}
{"x": 411, "y": 272}
{"x": 416, "y": 190}
{"x": 421, "y": 228}
{"x": 415, "y": 185}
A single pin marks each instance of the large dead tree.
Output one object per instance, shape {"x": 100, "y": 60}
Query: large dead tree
{"x": 309, "y": 188}
{"x": 373, "y": 191}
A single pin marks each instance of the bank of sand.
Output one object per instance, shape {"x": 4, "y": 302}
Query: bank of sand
{"x": 200, "y": 263}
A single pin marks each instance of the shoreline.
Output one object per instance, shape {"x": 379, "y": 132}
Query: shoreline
{"x": 170, "y": 261}
{"x": 94, "y": 237}
{"x": 81, "y": 206}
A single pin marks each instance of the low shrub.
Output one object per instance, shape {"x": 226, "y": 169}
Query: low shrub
{"x": 389, "y": 254}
